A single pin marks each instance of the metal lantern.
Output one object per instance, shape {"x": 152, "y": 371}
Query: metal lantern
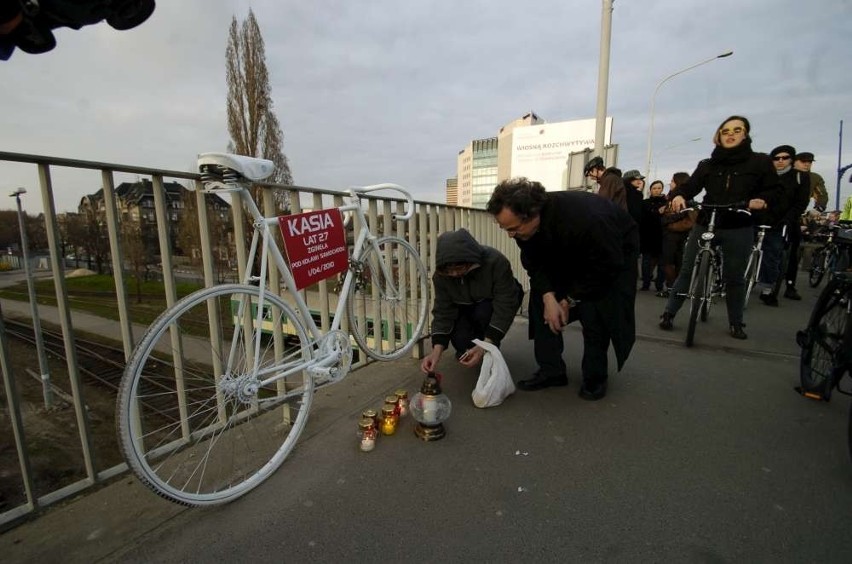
{"x": 430, "y": 408}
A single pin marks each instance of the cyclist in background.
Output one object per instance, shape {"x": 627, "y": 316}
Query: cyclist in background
{"x": 803, "y": 162}
{"x": 733, "y": 174}
{"x": 783, "y": 218}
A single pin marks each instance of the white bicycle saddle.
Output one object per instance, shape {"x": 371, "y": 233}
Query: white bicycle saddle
{"x": 249, "y": 167}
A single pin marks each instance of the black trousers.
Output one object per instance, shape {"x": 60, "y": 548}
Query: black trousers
{"x": 548, "y": 346}
{"x": 795, "y": 237}
{"x": 471, "y": 324}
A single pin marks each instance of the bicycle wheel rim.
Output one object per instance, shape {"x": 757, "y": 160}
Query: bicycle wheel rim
{"x": 824, "y": 340}
{"x": 194, "y": 436}
{"x": 401, "y": 305}
{"x": 751, "y": 277}
{"x": 712, "y": 279}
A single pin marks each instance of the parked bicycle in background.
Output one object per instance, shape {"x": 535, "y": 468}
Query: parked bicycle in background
{"x": 829, "y": 256}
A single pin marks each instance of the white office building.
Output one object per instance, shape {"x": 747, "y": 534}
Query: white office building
{"x": 527, "y": 146}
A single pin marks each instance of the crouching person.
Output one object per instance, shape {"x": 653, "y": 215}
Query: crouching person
{"x": 476, "y": 297}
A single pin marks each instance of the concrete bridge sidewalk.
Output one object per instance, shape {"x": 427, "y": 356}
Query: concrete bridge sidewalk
{"x": 701, "y": 454}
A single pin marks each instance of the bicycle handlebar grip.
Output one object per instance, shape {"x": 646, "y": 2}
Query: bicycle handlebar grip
{"x": 409, "y": 212}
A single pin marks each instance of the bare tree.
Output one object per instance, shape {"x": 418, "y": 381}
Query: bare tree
{"x": 95, "y": 242}
{"x": 137, "y": 252}
{"x": 252, "y": 124}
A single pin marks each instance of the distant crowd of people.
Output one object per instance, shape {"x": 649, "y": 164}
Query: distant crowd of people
{"x": 581, "y": 251}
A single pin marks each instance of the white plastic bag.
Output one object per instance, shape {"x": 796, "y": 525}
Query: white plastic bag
{"x": 495, "y": 383}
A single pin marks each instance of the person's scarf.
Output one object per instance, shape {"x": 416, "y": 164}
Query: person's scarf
{"x": 784, "y": 170}
{"x": 733, "y": 155}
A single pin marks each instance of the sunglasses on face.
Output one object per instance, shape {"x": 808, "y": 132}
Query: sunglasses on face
{"x": 781, "y": 158}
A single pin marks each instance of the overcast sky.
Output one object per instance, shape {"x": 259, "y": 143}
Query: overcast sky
{"x": 390, "y": 91}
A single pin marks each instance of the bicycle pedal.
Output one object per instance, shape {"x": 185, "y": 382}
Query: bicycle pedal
{"x": 810, "y": 395}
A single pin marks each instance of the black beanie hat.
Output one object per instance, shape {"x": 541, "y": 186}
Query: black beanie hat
{"x": 783, "y": 149}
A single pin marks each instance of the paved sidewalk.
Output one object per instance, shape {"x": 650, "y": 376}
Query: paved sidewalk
{"x": 701, "y": 454}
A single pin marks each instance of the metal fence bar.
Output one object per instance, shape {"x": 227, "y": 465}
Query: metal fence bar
{"x": 113, "y": 232}
{"x": 68, "y": 338}
{"x": 421, "y": 231}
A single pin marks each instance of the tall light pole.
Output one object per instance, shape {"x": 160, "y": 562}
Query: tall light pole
{"x": 654, "y": 101}
{"x": 603, "y": 76}
{"x": 42, "y": 357}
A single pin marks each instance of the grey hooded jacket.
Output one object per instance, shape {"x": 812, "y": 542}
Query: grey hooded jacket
{"x": 492, "y": 280}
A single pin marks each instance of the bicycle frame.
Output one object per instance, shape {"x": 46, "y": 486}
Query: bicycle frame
{"x": 757, "y": 250}
{"x": 755, "y": 262}
{"x": 262, "y": 237}
{"x": 705, "y": 247}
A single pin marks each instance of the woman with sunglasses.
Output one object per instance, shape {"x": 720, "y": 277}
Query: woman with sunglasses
{"x": 733, "y": 174}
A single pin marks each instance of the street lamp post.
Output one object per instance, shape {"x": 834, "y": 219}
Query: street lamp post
{"x": 42, "y": 357}
{"x": 654, "y": 101}
{"x": 603, "y": 76}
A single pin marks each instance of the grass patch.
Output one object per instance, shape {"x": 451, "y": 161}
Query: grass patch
{"x": 96, "y": 294}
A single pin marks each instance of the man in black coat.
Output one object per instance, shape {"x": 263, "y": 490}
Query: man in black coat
{"x": 580, "y": 252}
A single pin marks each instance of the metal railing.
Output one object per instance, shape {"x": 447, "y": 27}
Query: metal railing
{"x": 26, "y": 491}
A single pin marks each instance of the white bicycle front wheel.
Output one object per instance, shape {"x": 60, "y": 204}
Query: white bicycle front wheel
{"x": 195, "y": 422}
{"x": 388, "y": 300}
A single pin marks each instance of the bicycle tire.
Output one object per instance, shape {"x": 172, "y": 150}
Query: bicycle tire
{"x": 751, "y": 274}
{"x": 714, "y": 279}
{"x": 817, "y": 269}
{"x": 190, "y": 425}
{"x": 831, "y": 263}
{"x": 402, "y": 306}
{"x": 823, "y": 339}
{"x": 698, "y": 293}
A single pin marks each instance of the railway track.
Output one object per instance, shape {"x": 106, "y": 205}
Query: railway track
{"x": 98, "y": 364}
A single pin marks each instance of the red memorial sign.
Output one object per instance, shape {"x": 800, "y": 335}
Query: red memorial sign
{"x": 316, "y": 245}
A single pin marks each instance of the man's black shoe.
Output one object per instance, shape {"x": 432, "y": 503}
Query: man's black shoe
{"x": 769, "y": 299}
{"x": 791, "y": 294}
{"x": 593, "y": 391}
{"x": 666, "y": 321}
{"x": 540, "y": 381}
{"x": 737, "y": 331}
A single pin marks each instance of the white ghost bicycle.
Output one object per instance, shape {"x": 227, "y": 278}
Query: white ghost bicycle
{"x": 218, "y": 390}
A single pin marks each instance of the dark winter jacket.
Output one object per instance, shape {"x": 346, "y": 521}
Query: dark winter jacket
{"x": 612, "y": 187}
{"x": 741, "y": 177}
{"x": 651, "y": 227}
{"x": 581, "y": 243}
{"x": 492, "y": 280}
{"x": 633, "y": 197}
{"x": 800, "y": 197}
{"x": 792, "y": 199}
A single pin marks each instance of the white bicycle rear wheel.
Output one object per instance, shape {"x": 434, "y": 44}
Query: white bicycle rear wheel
{"x": 194, "y": 423}
{"x": 387, "y": 313}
